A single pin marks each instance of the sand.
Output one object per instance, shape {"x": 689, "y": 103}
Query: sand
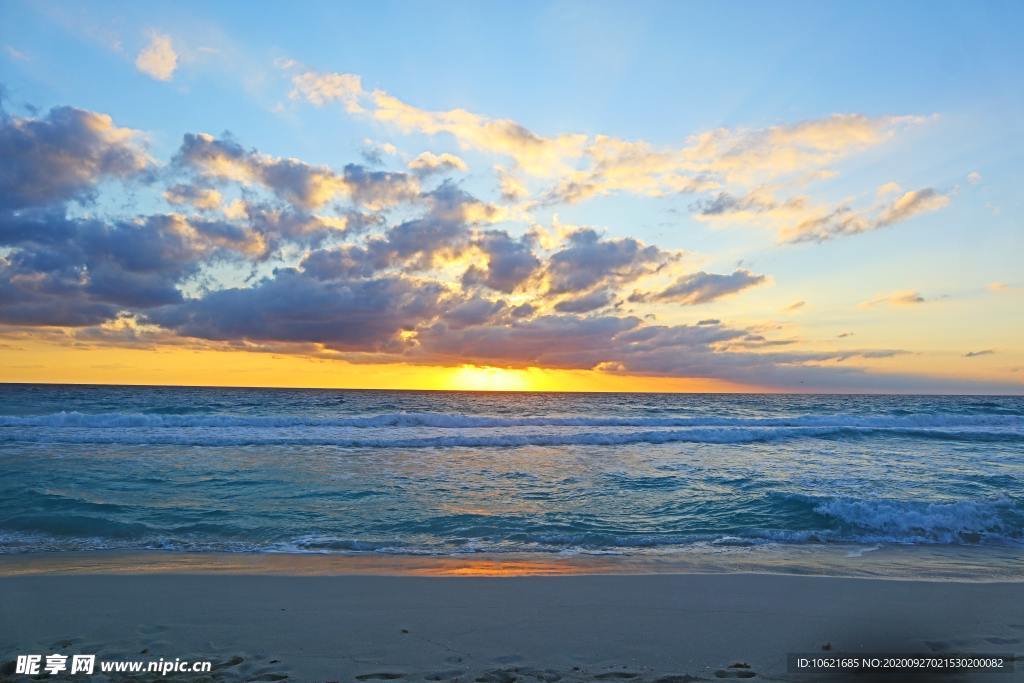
{"x": 497, "y": 629}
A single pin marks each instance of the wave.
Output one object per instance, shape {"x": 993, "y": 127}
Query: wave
{"x": 827, "y": 521}
{"x": 733, "y": 435}
{"x": 946, "y": 522}
{"x": 73, "y": 419}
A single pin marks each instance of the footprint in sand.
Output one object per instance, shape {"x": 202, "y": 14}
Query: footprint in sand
{"x": 497, "y": 676}
{"x": 234, "y": 661}
{"x": 737, "y": 670}
{"x": 444, "y": 675}
{"x": 621, "y": 675}
{"x": 679, "y": 678}
{"x": 65, "y": 643}
{"x": 379, "y": 677}
{"x": 995, "y": 640}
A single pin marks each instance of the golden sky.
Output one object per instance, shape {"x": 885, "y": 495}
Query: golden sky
{"x": 197, "y": 200}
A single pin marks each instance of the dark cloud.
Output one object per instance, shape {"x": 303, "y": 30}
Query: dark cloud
{"x": 586, "y": 303}
{"x": 510, "y": 262}
{"x": 277, "y": 226}
{"x": 475, "y": 311}
{"x": 975, "y": 354}
{"x": 349, "y": 261}
{"x": 63, "y": 156}
{"x": 303, "y": 185}
{"x": 725, "y": 203}
{"x": 378, "y": 188}
{"x": 562, "y": 341}
{"x": 589, "y": 261}
{"x": 423, "y": 238}
{"x": 357, "y": 315}
{"x": 78, "y": 271}
{"x": 701, "y": 287}
{"x": 416, "y": 244}
{"x": 523, "y": 310}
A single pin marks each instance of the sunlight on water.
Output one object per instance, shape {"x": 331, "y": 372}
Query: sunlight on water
{"x": 449, "y": 474}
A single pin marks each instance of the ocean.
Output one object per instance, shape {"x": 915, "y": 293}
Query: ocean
{"x": 90, "y": 468}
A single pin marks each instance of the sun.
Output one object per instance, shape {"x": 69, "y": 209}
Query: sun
{"x": 487, "y": 378}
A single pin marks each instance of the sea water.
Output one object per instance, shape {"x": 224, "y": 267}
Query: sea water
{"x": 456, "y": 473}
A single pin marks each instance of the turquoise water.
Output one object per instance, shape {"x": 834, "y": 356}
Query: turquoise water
{"x": 183, "y": 469}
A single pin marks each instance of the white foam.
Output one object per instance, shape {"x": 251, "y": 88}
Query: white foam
{"x": 456, "y": 421}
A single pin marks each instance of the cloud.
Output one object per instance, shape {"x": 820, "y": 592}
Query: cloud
{"x": 428, "y": 162}
{"x": 303, "y": 185}
{"x": 64, "y": 156}
{"x": 888, "y": 188}
{"x": 799, "y": 219}
{"x": 512, "y": 188}
{"x": 510, "y": 262}
{"x": 755, "y": 202}
{"x": 365, "y": 315}
{"x": 701, "y": 288}
{"x": 902, "y": 298}
{"x": 319, "y": 89}
{"x": 586, "y": 303}
{"x": 844, "y": 221}
{"x": 796, "y": 305}
{"x": 534, "y": 154}
{"x": 203, "y": 198}
{"x": 16, "y": 54}
{"x": 738, "y": 170}
{"x": 589, "y": 261}
{"x": 273, "y": 253}
{"x": 911, "y": 204}
{"x": 584, "y": 166}
{"x": 974, "y": 177}
{"x": 374, "y": 152}
{"x": 724, "y": 156}
{"x": 158, "y": 60}
{"x": 557, "y": 341}
{"x": 975, "y": 354}
{"x": 421, "y": 243}
{"x": 78, "y": 271}
{"x": 794, "y": 147}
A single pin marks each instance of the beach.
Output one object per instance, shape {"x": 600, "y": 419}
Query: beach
{"x": 495, "y": 629}
{"x": 486, "y": 538}
{"x": 543, "y": 342}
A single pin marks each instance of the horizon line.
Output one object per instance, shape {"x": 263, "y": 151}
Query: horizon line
{"x": 499, "y": 391}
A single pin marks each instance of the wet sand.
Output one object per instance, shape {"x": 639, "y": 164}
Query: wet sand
{"x": 496, "y": 629}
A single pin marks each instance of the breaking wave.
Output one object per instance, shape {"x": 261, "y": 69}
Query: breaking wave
{"x": 449, "y": 421}
{"x": 734, "y": 435}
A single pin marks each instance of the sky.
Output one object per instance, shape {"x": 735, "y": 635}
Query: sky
{"x": 594, "y": 196}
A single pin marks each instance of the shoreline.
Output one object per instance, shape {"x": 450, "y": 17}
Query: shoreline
{"x": 965, "y": 564}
